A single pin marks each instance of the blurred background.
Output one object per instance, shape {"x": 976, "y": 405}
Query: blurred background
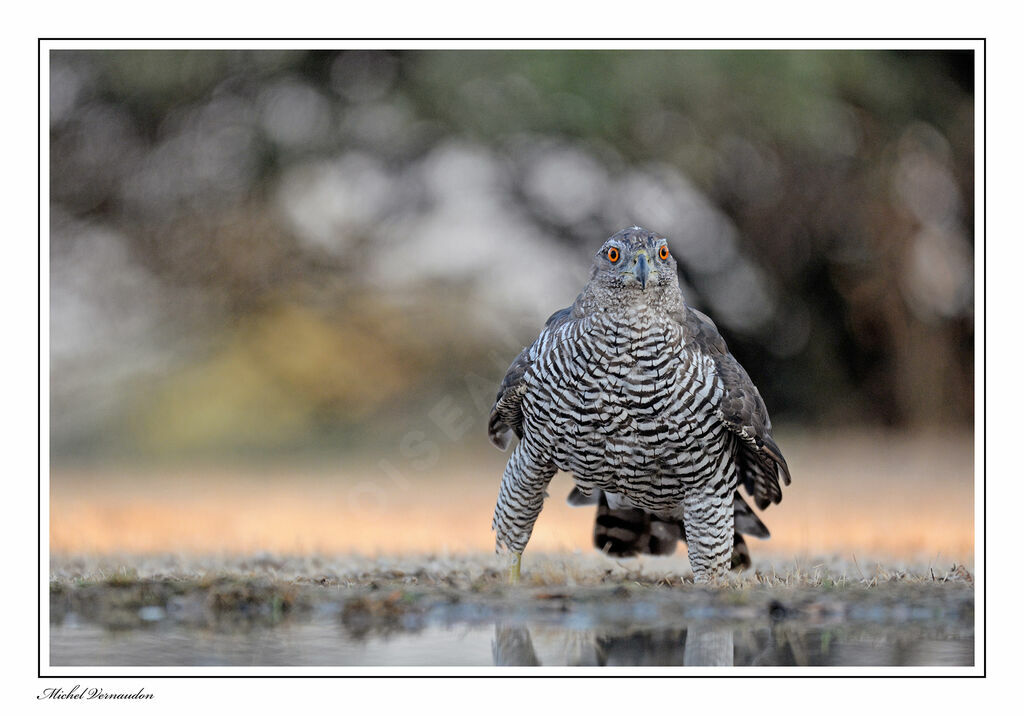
{"x": 285, "y": 285}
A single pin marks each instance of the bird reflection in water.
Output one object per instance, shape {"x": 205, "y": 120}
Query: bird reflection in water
{"x": 697, "y": 645}
{"x": 710, "y": 643}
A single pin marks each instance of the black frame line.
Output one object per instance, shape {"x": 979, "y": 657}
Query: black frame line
{"x": 604, "y": 675}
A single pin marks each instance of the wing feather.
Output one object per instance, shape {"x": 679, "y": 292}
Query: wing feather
{"x": 506, "y": 416}
{"x": 743, "y": 412}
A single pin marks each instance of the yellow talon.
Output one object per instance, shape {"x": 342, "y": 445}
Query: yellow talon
{"x": 513, "y": 568}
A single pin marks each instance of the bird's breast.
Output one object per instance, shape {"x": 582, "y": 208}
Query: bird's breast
{"x": 626, "y": 406}
{"x": 627, "y": 380}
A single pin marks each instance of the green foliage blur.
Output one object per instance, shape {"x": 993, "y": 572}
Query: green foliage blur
{"x": 259, "y": 252}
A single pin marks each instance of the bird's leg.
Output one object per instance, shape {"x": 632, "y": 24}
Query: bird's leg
{"x": 520, "y": 500}
{"x": 513, "y": 568}
{"x": 708, "y": 514}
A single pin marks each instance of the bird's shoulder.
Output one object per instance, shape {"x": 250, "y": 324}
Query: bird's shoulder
{"x": 740, "y": 404}
{"x": 700, "y": 332}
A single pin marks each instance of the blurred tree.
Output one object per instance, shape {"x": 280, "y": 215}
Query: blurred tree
{"x": 250, "y": 202}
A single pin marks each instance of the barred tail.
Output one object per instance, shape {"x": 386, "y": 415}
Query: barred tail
{"x": 626, "y": 531}
{"x": 740, "y": 554}
{"x": 629, "y": 531}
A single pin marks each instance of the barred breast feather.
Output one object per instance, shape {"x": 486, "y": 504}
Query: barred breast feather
{"x": 640, "y": 402}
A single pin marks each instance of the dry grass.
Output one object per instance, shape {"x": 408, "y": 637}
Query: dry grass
{"x": 384, "y": 594}
{"x": 462, "y": 571}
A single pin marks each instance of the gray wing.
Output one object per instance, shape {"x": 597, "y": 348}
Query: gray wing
{"x": 506, "y": 415}
{"x": 743, "y": 412}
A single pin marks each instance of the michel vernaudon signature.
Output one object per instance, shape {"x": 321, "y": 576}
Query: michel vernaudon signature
{"x": 89, "y": 693}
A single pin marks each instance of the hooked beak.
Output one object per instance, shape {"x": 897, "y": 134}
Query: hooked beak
{"x": 641, "y": 270}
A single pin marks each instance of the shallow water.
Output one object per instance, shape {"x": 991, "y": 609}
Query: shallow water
{"x": 323, "y": 640}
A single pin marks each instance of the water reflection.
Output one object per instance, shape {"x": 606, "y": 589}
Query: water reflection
{"x": 708, "y": 646}
{"x": 326, "y": 640}
{"x": 700, "y": 645}
{"x": 711, "y": 644}
{"x": 512, "y": 646}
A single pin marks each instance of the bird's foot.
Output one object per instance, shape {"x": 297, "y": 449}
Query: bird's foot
{"x": 513, "y": 568}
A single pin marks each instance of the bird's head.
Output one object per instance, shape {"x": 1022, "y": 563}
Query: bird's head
{"x": 635, "y": 266}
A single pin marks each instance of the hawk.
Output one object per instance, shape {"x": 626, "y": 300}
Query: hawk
{"x": 636, "y": 395}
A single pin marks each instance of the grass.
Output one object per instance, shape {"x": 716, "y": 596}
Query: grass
{"x": 385, "y": 594}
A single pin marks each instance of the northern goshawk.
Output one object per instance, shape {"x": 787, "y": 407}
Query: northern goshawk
{"x": 637, "y": 396}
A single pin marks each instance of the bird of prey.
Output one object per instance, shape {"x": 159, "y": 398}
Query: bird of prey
{"x": 636, "y": 395}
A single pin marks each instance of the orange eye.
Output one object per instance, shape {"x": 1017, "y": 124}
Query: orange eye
{"x": 613, "y": 254}
{"x": 663, "y": 252}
